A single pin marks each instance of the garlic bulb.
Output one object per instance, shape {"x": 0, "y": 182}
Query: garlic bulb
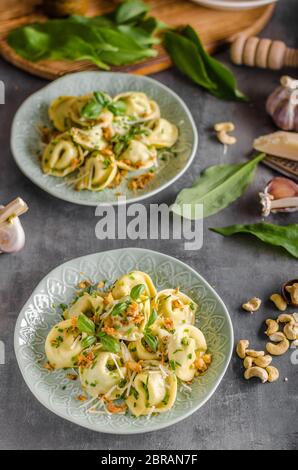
{"x": 280, "y": 195}
{"x": 282, "y": 104}
{"x": 12, "y": 235}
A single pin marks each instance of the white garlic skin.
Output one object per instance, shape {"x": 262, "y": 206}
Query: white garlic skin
{"x": 282, "y": 106}
{"x": 280, "y": 195}
{"x": 12, "y": 236}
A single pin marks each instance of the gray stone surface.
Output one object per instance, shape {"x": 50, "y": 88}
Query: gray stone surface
{"x": 240, "y": 414}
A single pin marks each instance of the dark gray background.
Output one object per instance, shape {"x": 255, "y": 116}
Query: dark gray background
{"x": 240, "y": 414}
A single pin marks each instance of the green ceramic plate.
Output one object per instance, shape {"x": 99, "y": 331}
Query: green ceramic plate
{"x": 38, "y": 316}
{"x": 25, "y": 138}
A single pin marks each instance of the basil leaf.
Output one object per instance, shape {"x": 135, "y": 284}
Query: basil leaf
{"x": 151, "y": 341}
{"x": 120, "y": 308}
{"x": 285, "y": 236}
{"x": 118, "y": 108}
{"x": 101, "y": 98}
{"x": 152, "y": 318}
{"x": 130, "y": 11}
{"x": 88, "y": 341}
{"x": 91, "y": 110}
{"x": 219, "y": 186}
{"x": 188, "y": 54}
{"x": 109, "y": 343}
{"x": 85, "y": 325}
{"x": 136, "y": 291}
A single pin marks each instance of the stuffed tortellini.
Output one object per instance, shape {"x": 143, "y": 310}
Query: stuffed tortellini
{"x": 89, "y": 305}
{"x": 97, "y": 173}
{"x": 125, "y": 284}
{"x": 183, "y": 347}
{"x": 62, "y": 156}
{"x": 90, "y": 139}
{"x": 102, "y": 374}
{"x": 152, "y": 391}
{"x": 139, "y": 106}
{"x": 63, "y": 345}
{"x": 163, "y": 134}
{"x": 137, "y": 156}
{"x": 59, "y": 112}
{"x": 174, "y": 304}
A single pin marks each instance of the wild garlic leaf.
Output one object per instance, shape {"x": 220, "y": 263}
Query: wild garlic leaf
{"x": 219, "y": 186}
{"x": 188, "y": 54}
{"x": 88, "y": 341}
{"x": 152, "y": 318}
{"x": 285, "y": 236}
{"x": 130, "y": 11}
{"x": 151, "y": 341}
{"x": 136, "y": 291}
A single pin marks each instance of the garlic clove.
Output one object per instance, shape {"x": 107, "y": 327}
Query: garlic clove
{"x": 12, "y": 236}
{"x": 282, "y": 104}
{"x": 280, "y": 195}
{"x": 289, "y": 292}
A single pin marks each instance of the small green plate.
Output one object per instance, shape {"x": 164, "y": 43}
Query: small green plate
{"x": 26, "y": 142}
{"x": 58, "y": 394}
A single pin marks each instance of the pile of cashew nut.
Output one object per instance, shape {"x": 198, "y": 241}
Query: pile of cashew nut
{"x": 258, "y": 363}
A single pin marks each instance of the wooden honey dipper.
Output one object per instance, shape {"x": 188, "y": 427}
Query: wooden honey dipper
{"x": 263, "y": 53}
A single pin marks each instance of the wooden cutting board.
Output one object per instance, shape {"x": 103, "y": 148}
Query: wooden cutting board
{"x": 215, "y": 28}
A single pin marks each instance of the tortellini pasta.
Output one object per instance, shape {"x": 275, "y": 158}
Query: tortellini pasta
{"x": 173, "y": 304}
{"x": 88, "y": 304}
{"x": 132, "y": 347}
{"x": 139, "y": 106}
{"x": 97, "y": 172}
{"x": 62, "y": 345}
{"x": 182, "y": 348}
{"x": 127, "y": 131}
{"x": 137, "y": 155}
{"x": 163, "y": 134}
{"x": 102, "y": 374}
{"x": 152, "y": 392}
{"x": 61, "y": 156}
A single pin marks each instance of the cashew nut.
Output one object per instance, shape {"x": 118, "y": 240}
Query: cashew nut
{"x": 285, "y": 318}
{"x": 262, "y": 374}
{"x": 279, "y": 302}
{"x": 282, "y": 344}
{"x": 291, "y": 331}
{"x": 253, "y": 353}
{"x": 272, "y": 327}
{"x": 242, "y": 347}
{"x": 273, "y": 373}
{"x": 293, "y": 290}
{"x": 263, "y": 361}
{"x": 252, "y": 305}
{"x": 248, "y": 362}
{"x": 222, "y": 129}
{"x": 295, "y": 316}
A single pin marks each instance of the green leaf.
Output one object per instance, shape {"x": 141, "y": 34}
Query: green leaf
{"x": 285, "y": 236}
{"x": 118, "y": 108}
{"x": 188, "y": 54}
{"x": 219, "y": 186}
{"x": 109, "y": 343}
{"x": 88, "y": 341}
{"x": 185, "y": 56}
{"x": 151, "y": 341}
{"x": 120, "y": 308}
{"x": 130, "y": 11}
{"x": 91, "y": 110}
{"x": 85, "y": 325}
{"x": 136, "y": 291}
{"x": 152, "y": 318}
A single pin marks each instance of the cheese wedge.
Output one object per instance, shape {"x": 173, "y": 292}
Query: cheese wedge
{"x": 280, "y": 144}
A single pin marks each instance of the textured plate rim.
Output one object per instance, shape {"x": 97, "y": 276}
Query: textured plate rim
{"x": 52, "y": 192}
{"x": 159, "y": 425}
